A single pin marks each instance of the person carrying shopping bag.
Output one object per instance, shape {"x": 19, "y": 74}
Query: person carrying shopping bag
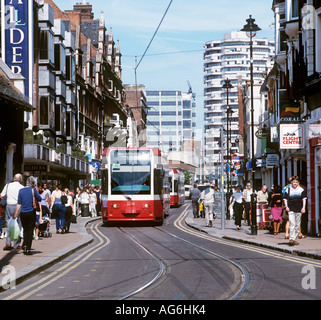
{"x": 12, "y": 191}
{"x": 27, "y": 198}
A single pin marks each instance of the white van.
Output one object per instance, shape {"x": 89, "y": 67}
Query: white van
{"x": 187, "y": 191}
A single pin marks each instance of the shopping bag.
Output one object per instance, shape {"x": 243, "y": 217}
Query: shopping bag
{"x": 14, "y": 230}
{"x": 73, "y": 219}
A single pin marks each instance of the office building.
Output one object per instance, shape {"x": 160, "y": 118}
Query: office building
{"x": 171, "y": 119}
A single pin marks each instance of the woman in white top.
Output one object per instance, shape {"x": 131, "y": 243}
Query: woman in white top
{"x": 69, "y": 210}
{"x": 237, "y": 199}
{"x": 93, "y": 202}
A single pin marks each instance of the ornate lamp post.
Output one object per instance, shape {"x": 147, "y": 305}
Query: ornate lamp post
{"x": 251, "y": 28}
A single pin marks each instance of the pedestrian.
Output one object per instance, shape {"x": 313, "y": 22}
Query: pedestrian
{"x": 45, "y": 200}
{"x": 304, "y": 219}
{"x": 295, "y": 201}
{"x": 84, "y": 201}
{"x": 247, "y": 192}
{"x": 207, "y": 197}
{"x": 12, "y": 191}
{"x": 69, "y": 210}
{"x": 92, "y": 202}
{"x": 58, "y": 209}
{"x": 276, "y": 208}
{"x": 237, "y": 203}
{"x": 27, "y": 198}
{"x": 47, "y": 191}
{"x": 263, "y": 195}
{"x": 285, "y": 216}
{"x": 77, "y": 201}
{"x": 98, "y": 195}
{"x": 195, "y": 195}
{"x": 38, "y": 220}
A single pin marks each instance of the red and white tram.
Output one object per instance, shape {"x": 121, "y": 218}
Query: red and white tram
{"x": 135, "y": 185}
{"x": 177, "y": 187}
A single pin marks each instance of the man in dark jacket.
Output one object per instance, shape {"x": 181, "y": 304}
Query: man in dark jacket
{"x": 195, "y": 194}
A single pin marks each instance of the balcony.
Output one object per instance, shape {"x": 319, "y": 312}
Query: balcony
{"x": 39, "y": 153}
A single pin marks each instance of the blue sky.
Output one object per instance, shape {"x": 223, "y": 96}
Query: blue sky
{"x": 176, "y": 54}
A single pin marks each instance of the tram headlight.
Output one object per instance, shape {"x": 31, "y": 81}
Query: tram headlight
{"x": 146, "y": 205}
{"x": 115, "y": 206}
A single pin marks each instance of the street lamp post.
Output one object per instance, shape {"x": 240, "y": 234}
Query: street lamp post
{"x": 251, "y": 28}
{"x": 227, "y": 85}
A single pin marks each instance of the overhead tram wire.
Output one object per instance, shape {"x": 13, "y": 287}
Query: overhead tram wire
{"x": 154, "y": 34}
{"x": 141, "y": 59}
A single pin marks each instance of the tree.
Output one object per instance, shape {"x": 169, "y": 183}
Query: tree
{"x": 188, "y": 177}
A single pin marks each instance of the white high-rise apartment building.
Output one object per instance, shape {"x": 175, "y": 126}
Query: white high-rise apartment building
{"x": 229, "y": 59}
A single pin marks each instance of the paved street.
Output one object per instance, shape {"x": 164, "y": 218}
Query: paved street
{"x": 112, "y": 251}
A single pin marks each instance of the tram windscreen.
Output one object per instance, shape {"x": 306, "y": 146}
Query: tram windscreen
{"x": 130, "y": 172}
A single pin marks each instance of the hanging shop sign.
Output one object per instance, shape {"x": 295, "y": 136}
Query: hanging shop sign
{"x": 290, "y": 112}
{"x": 261, "y": 133}
{"x": 292, "y": 136}
{"x": 17, "y": 48}
{"x": 272, "y": 160}
{"x": 314, "y": 130}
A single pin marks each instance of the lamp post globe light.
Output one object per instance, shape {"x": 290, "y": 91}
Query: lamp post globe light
{"x": 251, "y": 29}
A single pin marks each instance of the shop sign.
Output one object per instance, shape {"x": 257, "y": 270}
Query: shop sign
{"x": 16, "y": 28}
{"x": 260, "y": 163}
{"x": 272, "y": 160}
{"x": 261, "y": 133}
{"x": 314, "y": 130}
{"x": 35, "y": 167}
{"x": 292, "y": 136}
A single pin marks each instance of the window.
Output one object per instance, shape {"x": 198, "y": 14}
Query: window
{"x": 60, "y": 58}
{"x": 44, "y": 45}
{"x": 187, "y": 124}
{"x": 44, "y": 110}
{"x": 295, "y": 9}
{"x": 282, "y": 44}
{"x": 70, "y": 68}
{"x": 60, "y": 118}
{"x": 57, "y": 57}
{"x": 47, "y": 109}
{"x": 186, "y": 114}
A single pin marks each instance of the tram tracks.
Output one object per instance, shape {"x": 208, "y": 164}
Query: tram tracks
{"x": 103, "y": 241}
{"x": 162, "y": 272}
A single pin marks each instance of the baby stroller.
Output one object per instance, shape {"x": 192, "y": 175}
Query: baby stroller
{"x": 44, "y": 227}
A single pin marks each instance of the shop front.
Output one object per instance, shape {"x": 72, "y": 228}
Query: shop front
{"x": 315, "y": 178}
{"x": 53, "y": 167}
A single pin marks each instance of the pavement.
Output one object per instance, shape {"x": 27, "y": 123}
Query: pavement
{"x": 308, "y": 247}
{"x": 49, "y": 251}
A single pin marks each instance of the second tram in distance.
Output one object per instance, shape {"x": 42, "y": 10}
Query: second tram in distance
{"x": 177, "y": 187}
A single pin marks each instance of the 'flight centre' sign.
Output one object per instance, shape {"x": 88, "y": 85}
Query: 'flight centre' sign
{"x": 17, "y": 39}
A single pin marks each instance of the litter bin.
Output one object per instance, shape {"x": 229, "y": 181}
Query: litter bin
{"x": 85, "y": 210}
